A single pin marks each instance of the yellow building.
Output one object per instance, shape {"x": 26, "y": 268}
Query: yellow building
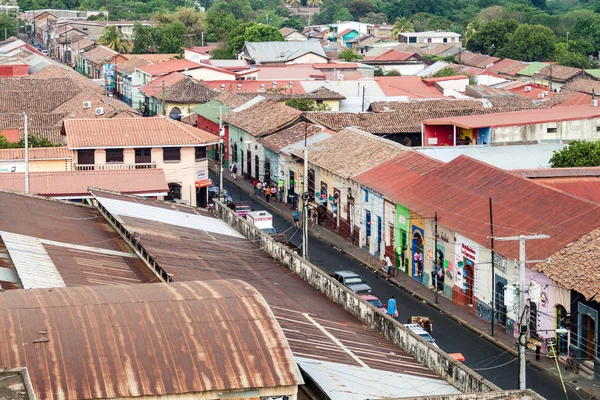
{"x": 43, "y": 159}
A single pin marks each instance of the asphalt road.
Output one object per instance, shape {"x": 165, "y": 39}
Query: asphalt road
{"x": 489, "y": 360}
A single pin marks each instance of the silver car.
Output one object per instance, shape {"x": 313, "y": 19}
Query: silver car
{"x": 352, "y": 281}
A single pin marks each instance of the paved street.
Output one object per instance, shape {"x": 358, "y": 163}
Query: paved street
{"x": 489, "y": 360}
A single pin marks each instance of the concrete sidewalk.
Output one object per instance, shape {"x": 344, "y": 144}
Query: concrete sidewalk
{"x": 462, "y": 314}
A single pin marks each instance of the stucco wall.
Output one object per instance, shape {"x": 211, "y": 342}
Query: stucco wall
{"x": 210, "y": 75}
{"x": 455, "y": 373}
{"x": 36, "y": 166}
{"x": 565, "y": 130}
{"x": 309, "y": 58}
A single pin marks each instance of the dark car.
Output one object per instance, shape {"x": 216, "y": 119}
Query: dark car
{"x": 352, "y": 281}
{"x": 213, "y": 193}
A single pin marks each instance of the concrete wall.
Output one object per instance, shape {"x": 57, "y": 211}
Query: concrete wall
{"x": 210, "y": 75}
{"x": 504, "y": 395}
{"x": 585, "y": 129}
{"x": 455, "y": 373}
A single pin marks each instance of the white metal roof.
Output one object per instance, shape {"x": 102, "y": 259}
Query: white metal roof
{"x": 120, "y": 208}
{"x": 348, "y": 382}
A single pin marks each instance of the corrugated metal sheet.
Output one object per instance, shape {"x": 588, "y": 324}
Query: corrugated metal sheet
{"x": 189, "y": 254}
{"x": 144, "y": 340}
{"x": 459, "y": 193}
{"x": 585, "y": 188}
{"x": 557, "y": 172}
{"x": 346, "y": 382}
{"x": 171, "y": 217}
{"x": 67, "y": 234}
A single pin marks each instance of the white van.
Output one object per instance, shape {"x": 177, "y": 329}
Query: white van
{"x": 418, "y": 329}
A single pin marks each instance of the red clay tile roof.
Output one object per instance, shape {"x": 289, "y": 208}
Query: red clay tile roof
{"x": 112, "y": 107}
{"x": 186, "y": 90}
{"x": 476, "y": 60}
{"x": 230, "y": 99}
{"x": 61, "y": 71}
{"x": 559, "y": 73}
{"x": 76, "y": 183}
{"x": 388, "y": 176}
{"x": 588, "y": 86}
{"x": 391, "y": 55}
{"x": 286, "y": 31}
{"x": 155, "y": 87}
{"x": 291, "y": 135}
{"x": 132, "y": 132}
{"x": 37, "y": 153}
{"x": 128, "y": 67}
{"x": 321, "y": 93}
{"x": 255, "y": 86}
{"x": 167, "y": 67}
{"x": 386, "y": 106}
{"x": 100, "y": 55}
{"x": 263, "y": 118}
{"x": 508, "y": 66}
{"x": 459, "y": 191}
{"x": 353, "y": 144}
{"x": 520, "y": 117}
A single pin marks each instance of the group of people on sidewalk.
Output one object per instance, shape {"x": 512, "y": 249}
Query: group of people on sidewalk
{"x": 268, "y": 191}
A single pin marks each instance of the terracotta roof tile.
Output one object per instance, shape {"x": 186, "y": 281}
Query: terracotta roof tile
{"x": 100, "y": 55}
{"x": 37, "y": 153}
{"x": 321, "y": 93}
{"x": 559, "y": 73}
{"x": 40, "y": 101}
{"x": 291, "y": 135}
{"x": 508, "y": 66}
{"x": 287, "y": 31}
{"x": 189, "y": 90}
{"x": 588, "y": 86}
{"x": 167, "y": 67}
{"x": 155, "y": 87}
{"x": 565, "y": 98}
{"x": 76, "y": 183}
{"x": 59, "y": 71}
{"x": 128, "y": 67}
{"x": 263, "y": 118}
{"x": 391, "y": 55}
{"x": 385, "y": 106}
{"x": 476, "y": 60}
{"x": 350, "y": 144}
{"x": 132, "y": 132}
{"x": 230, "y": 99}
{"x": 73, "y": 108}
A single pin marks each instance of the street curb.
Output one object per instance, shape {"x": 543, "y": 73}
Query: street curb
{"x": 478, "y": 331}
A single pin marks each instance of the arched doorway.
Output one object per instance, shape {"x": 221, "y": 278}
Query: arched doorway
{"x": 175, "y": 113}
{"x": 417, "y": 251}
{"x": 587, "y": 340}
{"x": 561, "y": 323}
{"x": 468, "y": 276}
{"x": 500, "y": 307}
{"x": 174, "y": 192}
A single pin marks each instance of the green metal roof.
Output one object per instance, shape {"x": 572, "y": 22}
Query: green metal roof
{"x": 593, "y": 72}
{"x": 532, "y": 68}
{"x": 210, "y": 110}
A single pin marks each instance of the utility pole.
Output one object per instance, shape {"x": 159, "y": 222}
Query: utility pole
{"x": 164, "y": 109}
{"x": 522, "y": 326}
{"x": 435, "y": 260}
{"x": 305, "y": 196}
{"x": 26, "y": 154}
{"x": 221, "y": 134}
{"x": 493, "y": 268}
{"x": 363, "y": 99}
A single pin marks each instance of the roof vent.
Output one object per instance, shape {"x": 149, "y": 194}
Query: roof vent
{"x": 528, "y": 88}
{"x": 274, "y": 85}
{"x": 87, "y": 104}
{"x": 239, "y": 86}
{"x": 262, "y": 87}
{"x": 594, "y": 103}
{"x": 541, "y": 96}
{"x": 99, "y": 111}
{"x": 291, "y": 84}
{"x": 222, "y": 86}
{"x": 545, "y": 93}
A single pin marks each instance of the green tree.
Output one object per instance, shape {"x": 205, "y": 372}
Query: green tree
{"x": 349, "y": 56}
{"x": 359, "y": 8}
{"x": 222, "y": 53}
{"x": 219, "y": 25}
{"x": 7, "y": 26}
{"x": 142, "y": 39}
{"x": 577, "y": 154}
{"x": 35, "y": 141}
{"x": 491, "y": 37}
{"x": 314, "y": 3}
{"x": 374, "y": 18}
{"x": 240, "y": 9}
{"x": 449, "y": 71}
{"x": 343, "y": 15}
{"x": 393, "y": 72}
{"x": 114, "y": 40}
{"x": 294, "y": 22}
{"x": 529, "y": 43}
{"x": 401, "y": 25}
{"x": 170, "y": 38}
{"x": 307, "y": 105}
{"x": 251, "y": 32}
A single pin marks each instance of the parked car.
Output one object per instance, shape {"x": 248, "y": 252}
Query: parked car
{"x": 352, "y": 281}
{"x": 242, "y": 208}
{"x": 374, "y": 301}
{"x": 45, "y": 52}
{"x": 418, "y": 329}
{"x": 213, "y": 193}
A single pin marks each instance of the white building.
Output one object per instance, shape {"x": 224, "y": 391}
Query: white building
{"x": 429, "y": 37}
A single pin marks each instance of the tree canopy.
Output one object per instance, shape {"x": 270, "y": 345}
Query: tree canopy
{"x": 114, "y": 40}
{"x": 577, "y": 154}
{"x": 307, "y": 105}
{"x": 349, "y": 56}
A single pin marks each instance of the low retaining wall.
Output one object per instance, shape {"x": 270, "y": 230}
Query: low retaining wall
{"x": 453, "y": 372}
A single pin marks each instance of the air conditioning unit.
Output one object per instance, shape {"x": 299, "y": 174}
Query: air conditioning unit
{"x": 545, "y": 93}
{"x": 99, "y": 111}
{"x": 222, "y": 86}
{"x": 87, "y": 104}
{"x": 239, "y": 86}
{"x": 594, "y": 103}
{"x": 528, "y": 88}
{"x": 541, "y": 96}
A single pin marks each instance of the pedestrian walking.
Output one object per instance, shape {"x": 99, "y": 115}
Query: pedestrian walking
{"x": 313, "y": 217}
{"x": 258, "y": 188}
{"x": 267, "y": 193}
{"x": 388, "y": 264}
{"x": 274, "y": 193}
{"x": 265, "y": 186}
{"x": 234, "y": 171}
{"x": 280, "y": 193}
{"x": 391, "y": 307}
{"x": 297, "y": 219}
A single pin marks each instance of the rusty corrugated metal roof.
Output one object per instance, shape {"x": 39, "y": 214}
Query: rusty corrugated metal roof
{"x": 191, "y": 253}
{"x": 144, "y": 340}
{"x": 74, "y": 240}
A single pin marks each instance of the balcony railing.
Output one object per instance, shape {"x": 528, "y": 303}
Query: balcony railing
{"x": 113, "y": 166}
